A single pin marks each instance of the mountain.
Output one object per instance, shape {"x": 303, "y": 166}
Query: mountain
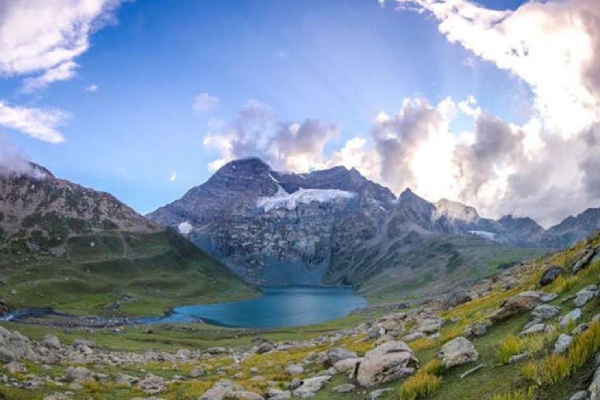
{"x": 572, "y": 229}
{"x": 335, "y": 226}
{"x": 82, "y": 250}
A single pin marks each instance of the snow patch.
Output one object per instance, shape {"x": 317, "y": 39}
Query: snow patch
{"x": 484, "y": 234}
{"x": 282, "y": 199}
{"x": 185, "y": 228}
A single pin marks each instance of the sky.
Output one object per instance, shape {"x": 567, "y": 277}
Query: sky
{"x": 493, "y": 103}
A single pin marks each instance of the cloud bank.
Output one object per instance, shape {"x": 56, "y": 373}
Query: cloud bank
{"x": 546, "y": 168}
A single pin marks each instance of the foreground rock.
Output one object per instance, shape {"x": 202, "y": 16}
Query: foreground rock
{"x": 311, "y": 386}
{"x": 550, "y": 275}
{"x": 220, "y": 390}
{"x": 385, "y": 363}
{"x": 456, "y": 298}
{"x": 458, "y": 351}
{"x": 516, "y": 305}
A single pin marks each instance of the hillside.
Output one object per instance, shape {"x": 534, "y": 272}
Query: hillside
{"x": 83, "y": 251}
{"x": 527, "y": 334}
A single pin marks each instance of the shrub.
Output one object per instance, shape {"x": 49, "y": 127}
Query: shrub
{"x": 434, "y": 367}
{"x": 421, "y": 385}
{"x": 509, "y": 347}
{"x": 520, "y": 394}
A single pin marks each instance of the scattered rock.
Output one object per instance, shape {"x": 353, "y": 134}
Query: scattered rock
{"x": 79, "y": 374}
{"x": 585, "y": 295}
{"x": 216, "y": 351}
{"x": 536, "y": 328}
{"x": 550, "y": 275}
{"x": 594, "y": 388}
{"x": 385, "y": 363}
{"x": 310, "y": 386}
{"x": 458, "y": 351}
{"x": 126, "y": 380}
{"x": 573, "y": 315}
{"x": 338, "y": 354}
{"x": 15, "y": 368}
{"x": 579, "y": 329}
{"x": 471, "y": 371}
{"x": 345, "y": 388}
{"x": 516, "y": 305}
{"x": 562, "y": 343}
{"x": 276, "y": 394}
{"x": 294, "y": 369}
{"x": 413, "y": 336}
{"x": 583, "y": 261}
{"x": 517, "y": 358}
{"x": 456, "y": 298}
{"x": 545, "y": 311}
{"x": 152, "y": 384}
{"x": 347, "y": 366}
{"x": 220, "y": 390}
{"x": 430, "y": 325}
{"x": 376, "y": 394}
{"x": 242, "y": 395}
{"x": 196, "y": 372}
{"x": 51, "y": 342}
{"x": 265, "y": 347}
{"x": 581, "y": 395}
{"x": 478, "y": 329}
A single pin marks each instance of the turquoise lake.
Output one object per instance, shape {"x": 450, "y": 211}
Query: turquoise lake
{"x": 278, "y": 307}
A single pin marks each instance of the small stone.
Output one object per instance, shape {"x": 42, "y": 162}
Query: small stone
{"x": 376, "y": 394}
{"x": 196, "y": 372}
{"x": 294, "y": 369}
{"x": 545, "y": 311}
{"x": 550, "y": 275}
{"x": 345, "y": 388}
{"x": 51, "y": 342}
{"x": 311, "y": 386}
{"x": 573, "y": 315}
{"x": 562, "y": 343}
{"x": 517, "y": 358}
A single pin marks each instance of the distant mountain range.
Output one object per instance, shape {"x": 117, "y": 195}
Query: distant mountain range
{"x": 335, "y": 226}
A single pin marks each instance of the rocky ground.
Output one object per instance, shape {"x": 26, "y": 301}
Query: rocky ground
{"x": 531, "y": 332}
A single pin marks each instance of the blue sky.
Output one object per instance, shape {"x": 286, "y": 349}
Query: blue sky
{"x": 340, "y": 61}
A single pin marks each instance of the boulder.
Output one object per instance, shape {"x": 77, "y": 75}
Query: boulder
{"x": 79, "y": 374}
{"x": 594, "y": 388}
{"x": 458, "y": 351}
{"x": 456, "y": 298}
{"x": 15, "y": 368}
{"x": 581, "y": 395}
{"x": 220, "y": 390}
{"x": 152, "y": 384}
{"x": 516, "y": 305}
{"x": 430, "y": 325}
{"x": 51, "y": 342}
{"x": 583, "y": 262}
{"x": 536, "y": 328}
{"x": 385, "y": 363}
{"x": 242, "y": 395}
{"x": 573, "y": 315}
{"x": 562, "y": 343}
{"x": 478, "y": 329}
{"x": 276, "y": 394}
{"x": 347, "y": 366}
{"x": 338, "y": 354}
{"x": 585, "y": 295}
{"x": 545, "y": 311}
{"x": 550, "y": 275}
{"x": 311, "y": 386}
{"x": 377, "y": 394}
{"x": 294, "y": 369}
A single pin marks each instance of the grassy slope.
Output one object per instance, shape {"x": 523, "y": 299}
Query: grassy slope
{"x": 495, "y": 378}
{"x": 441, "y": 264}
{"x": 157, "y": 270}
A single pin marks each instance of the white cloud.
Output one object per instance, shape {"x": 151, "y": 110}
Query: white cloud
{"x": 173, "y": 177}
{"x": 205, "y": 102}
{"x": 35, "y": 122}
{"x": 12, "y": 161}
{"x": 92, "y": 88}
{"x": 40, "y": 36}
{"x": 550, "y": 45}
{"x": 62, "y": 72}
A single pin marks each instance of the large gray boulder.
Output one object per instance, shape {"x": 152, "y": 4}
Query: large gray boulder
{"x": 550, "y": 275}
{"x": 458, "y": 351}
{"x": 545, "y": 311}
{"x": 79, "y": 374}
{"x": 385, "y": 363}
{"x": 516, "y": 305}
{"x": 594, "y": 388}
{"x": 456, "y": 298}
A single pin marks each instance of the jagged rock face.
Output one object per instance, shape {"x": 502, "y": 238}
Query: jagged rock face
{"x": 331, "y": 226}
{"x": 573, "y": 229}
{"x": 40, "y": 211}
